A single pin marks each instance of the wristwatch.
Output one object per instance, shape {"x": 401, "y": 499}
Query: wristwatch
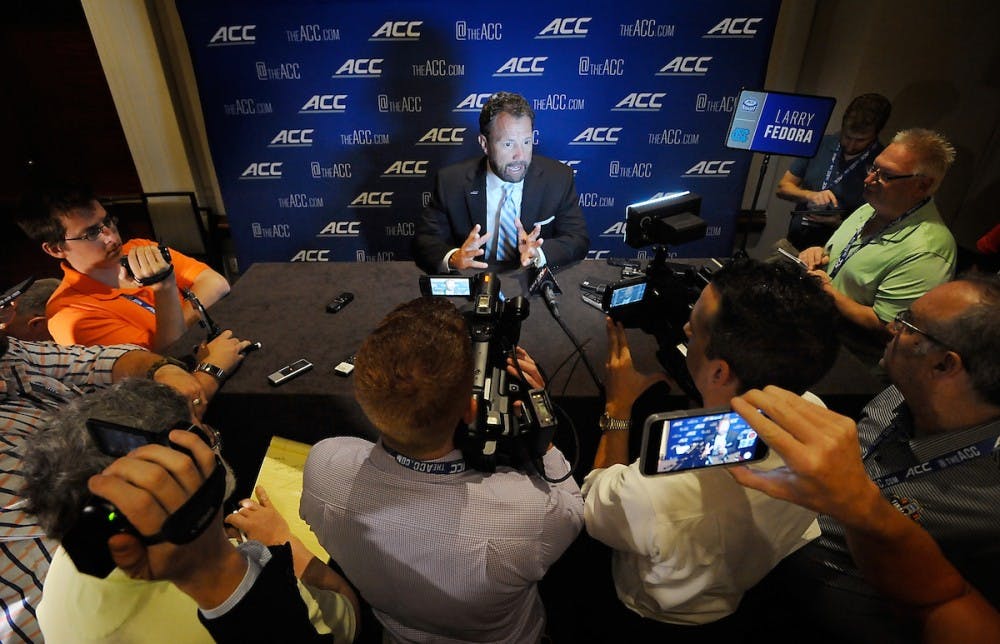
{"x": 609, "y": 424}
{"x": 209, "y": 368}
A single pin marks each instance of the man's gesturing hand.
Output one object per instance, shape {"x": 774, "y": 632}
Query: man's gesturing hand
{"x": 472, "y": 247}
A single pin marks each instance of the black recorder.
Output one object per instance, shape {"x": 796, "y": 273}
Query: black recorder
{"x": 693, "y": 439}
{"x": 86, "y": 542}
{"x": 152, "y": 279}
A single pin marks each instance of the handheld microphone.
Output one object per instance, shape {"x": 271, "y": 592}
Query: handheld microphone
{"x": 544, "y": 283}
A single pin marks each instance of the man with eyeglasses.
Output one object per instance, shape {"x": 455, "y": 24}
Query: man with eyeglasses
{"x": 98, "y": 301}
{"x": 893, "y": 249}
{"x": 929, "y": 442}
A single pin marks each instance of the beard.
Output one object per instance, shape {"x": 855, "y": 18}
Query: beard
{"x": 520, "y": 167}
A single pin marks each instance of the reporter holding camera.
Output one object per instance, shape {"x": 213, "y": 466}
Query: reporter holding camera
{"x": 101, "y": 300}
{"x": 161, "y": 590}
{"x": 688, "y": 545}
{"x": 442, "y": 552}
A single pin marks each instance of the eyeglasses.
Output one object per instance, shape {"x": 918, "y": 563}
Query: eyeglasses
{"x": 94, "y": 232}
{"x": 905, "y": 319}
{"x": 881, "y": 176}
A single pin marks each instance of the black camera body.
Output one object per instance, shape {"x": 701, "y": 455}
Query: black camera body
{"x": 499, "y": 435}
{"x": 153, "y": 279}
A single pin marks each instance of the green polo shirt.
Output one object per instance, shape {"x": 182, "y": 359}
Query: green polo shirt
{"x": 900, "y": 264}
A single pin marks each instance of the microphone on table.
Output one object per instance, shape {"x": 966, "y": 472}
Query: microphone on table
{"x": 544, "y": 283}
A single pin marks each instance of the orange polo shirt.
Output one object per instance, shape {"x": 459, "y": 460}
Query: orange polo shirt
{"x": 85, "y": 311}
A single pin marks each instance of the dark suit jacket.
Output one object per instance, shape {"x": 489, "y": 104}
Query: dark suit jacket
{"x": 459, "y": 202}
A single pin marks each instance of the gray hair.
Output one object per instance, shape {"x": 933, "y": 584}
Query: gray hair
{"x": 32, "y": 302}
{"x": 62, "y": 456}
{"x": 934, "y": 152}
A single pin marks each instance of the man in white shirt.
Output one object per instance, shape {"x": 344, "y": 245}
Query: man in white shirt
{"x": 688, "y": 545}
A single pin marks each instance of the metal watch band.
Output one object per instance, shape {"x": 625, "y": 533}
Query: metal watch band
{"x": 609, "y": 424}
{"x": 212, "y": 370}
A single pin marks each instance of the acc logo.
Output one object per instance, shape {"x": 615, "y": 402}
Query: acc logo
{"x": 598, "y": 254}
{"x": 398, "y": 30}
{"x": 617, "y": 230}
{"x": 361, "y": 68}
{"x": 443, "y": 136}
{"x": 325, "y": 104}
{"x": 597, "y": 136}
{"x": 263, "y": 170}
{"x": 686, "y": 66}
{"x": 311, "y": 256}
{"x": 341, "y": 229}
{"x": 292, "y": 138}
{"x": 710, "y": 169}
{"x": 640, "y": 101}
{"x": 472, "y": 103}
{"x": 565, "y": 28}
{"x": 406, "y": 169}
{"x": 523, "y": 66}
{"x": 233, "y": 35}
{"x": 372, "y": 200}
{"x": 734, "y": 28}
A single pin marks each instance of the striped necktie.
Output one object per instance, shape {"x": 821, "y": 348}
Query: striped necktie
{"x": 507, "y": 230}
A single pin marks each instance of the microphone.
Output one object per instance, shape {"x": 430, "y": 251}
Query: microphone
{"x": 544, "y": 283}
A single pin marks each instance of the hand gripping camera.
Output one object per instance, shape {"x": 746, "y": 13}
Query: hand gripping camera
{"x": 501, "y": 434}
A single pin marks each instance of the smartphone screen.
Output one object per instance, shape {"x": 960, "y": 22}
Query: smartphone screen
{"x": 698, "y": 438}
{"x": 118, "y": 440}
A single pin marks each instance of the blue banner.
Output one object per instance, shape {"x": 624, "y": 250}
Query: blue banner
{"x": 327, "y": 120}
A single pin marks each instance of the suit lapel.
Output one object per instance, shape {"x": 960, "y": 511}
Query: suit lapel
{"x": 531, "y": 196}
{"x": 475, "y": 195}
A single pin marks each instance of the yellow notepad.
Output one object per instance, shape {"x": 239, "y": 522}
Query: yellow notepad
{"x": 281, "y": 476}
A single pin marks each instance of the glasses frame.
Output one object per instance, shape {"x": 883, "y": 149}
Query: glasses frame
{"x": 93, "y": 233}
{"x": 883, "y": 178}
{"x": 903, "y": 319}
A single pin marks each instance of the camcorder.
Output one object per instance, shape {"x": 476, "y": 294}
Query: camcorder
{"x": 499, "y": 435}
{"x": 152, "y": 279}
{"x": 659, "y": 299}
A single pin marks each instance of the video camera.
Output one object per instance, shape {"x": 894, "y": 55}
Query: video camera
{"x": 659, "y": 299}
{"x": 498, "y": 435}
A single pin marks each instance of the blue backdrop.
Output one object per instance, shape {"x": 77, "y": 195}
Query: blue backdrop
{"x": 327, "y": 120}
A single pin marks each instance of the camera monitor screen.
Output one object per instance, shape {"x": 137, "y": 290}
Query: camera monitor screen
{"x": 779, "y": 123}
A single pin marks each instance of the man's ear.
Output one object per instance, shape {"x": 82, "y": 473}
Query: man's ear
{"x": 720, "y": 373}
{"x": 55, "y": 250}
{"x": 38, "y": 327}
{"x": 469, "y": 414}
{"x": 949, "y": 365}
{"x": 483, "y": 143}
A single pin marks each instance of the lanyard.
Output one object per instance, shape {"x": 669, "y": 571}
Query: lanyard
{"x": 846, "y": 254}
{"x": 134, "y": 299}
{"x": 426, "y": 467}
{"x": 938, "y": 463}
{"x": 827, "y": 183}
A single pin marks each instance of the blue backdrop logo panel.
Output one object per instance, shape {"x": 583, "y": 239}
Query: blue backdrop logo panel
{"x": 327, "y": 120}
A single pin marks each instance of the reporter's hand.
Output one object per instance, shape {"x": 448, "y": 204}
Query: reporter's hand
{"x": 528, "y": 243}
{"x": 147, "y": 262}
{"x": 472, "y": 247}
{"x": 186, "y": 384}
{"x": 147, "y": 486}
{"x": 822, "y": 198}
{"x": 260, "y": 520}
{"x": 823, "y": 469}
{"x": 528, "y": 367}
{"x": 814, "y": 256}
{"x": 623, "y": 383}
{"x": 223, "y": 351}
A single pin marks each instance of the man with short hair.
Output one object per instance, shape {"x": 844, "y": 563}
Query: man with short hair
{"x": 893, "y": 249}
{"x": 24, "y": 318}
{"x": 125, "y": 606}
{"x": 929, "y": 442}
{"x": 493, "y": 210}
{"x": 98, "y": 302}
{"x": 443, "y": 553}
{"x": 688, "y": 545}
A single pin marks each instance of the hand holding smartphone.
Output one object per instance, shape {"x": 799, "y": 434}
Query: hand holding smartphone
{"x": 694, "y": 439}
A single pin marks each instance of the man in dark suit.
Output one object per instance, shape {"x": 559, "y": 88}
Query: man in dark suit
{"x": 491, "y": 211}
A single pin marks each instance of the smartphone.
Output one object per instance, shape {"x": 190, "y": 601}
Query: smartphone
{"x": 447, "y": 285}
{"x": 694, "y": 439}
{"x": 784, "y": 253}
